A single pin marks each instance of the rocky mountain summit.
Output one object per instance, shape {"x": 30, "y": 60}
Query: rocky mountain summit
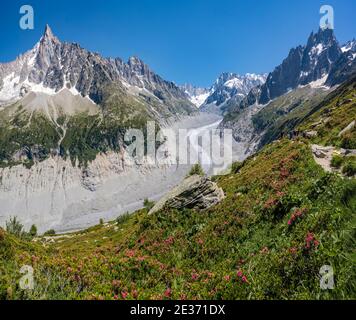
{"x": 291, "y": 91}
{"x": 228, "y": 86}
{"x": 52, "y": 66}
{"x": 318, "y": 63}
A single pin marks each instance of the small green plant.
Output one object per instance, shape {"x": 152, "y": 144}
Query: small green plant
{"x": 336, "y": 161}
{"x": 33, "y": 231}
{"x": 148, "y": 204}
{"x": 14, "y": 227}
{"x": 101, "y": 221}
{"x": 123, "y": 218}
{"x": 196, "y": 170}
{"x": 50, "y": 232}
{"x": 348, "y": 140}
{"x": 349, "y": 167}
{"x": 236, "y": 166}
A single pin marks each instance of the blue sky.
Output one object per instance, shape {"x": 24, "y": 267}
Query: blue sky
{"x": 182, "y": 40}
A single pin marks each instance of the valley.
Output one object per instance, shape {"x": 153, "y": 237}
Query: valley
{"x": 99, "y": 220}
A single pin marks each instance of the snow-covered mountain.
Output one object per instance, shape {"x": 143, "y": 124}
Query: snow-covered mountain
{"x": 197, "y": 95}
{"x": 226, "y": 86}
{"x": 230, "y": 85}
{"x": 52, "y": 66}
{"x": 303, "y": 65}
{"x": 349, "y": 46}
{"x": 322, "y": 61}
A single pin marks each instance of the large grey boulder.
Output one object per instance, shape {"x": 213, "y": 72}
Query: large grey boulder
{"x": 195, "y": 192}
{"x": 347, "y": 129}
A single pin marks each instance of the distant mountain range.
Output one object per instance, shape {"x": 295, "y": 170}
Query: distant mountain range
{"x": 226, "y": 86}
{"x": 322, "y": 61}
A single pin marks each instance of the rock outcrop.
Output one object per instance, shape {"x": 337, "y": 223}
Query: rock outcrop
{"x": 195, "y": 192}
{"x": 323, "y": 156}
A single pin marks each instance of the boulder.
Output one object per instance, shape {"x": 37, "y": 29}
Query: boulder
{"x": 321, "y": 152}
{"x": 310, "y": 134}
{"x": 195, "y": 192}
{"x": 348, "y": 128}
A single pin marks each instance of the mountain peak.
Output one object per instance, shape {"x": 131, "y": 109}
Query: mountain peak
{"x": 48, "y": 34}
{"x": 324, "y": 36}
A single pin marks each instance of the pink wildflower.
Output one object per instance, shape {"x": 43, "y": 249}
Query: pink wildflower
{"x": 227, "y": 278}
{"x": 195, "y": 276}
{"x": 168, "y": 293}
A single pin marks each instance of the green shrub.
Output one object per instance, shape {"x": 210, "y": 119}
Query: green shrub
{"x": 148, "y": 204}
{"x": 336, "y": 161}
{"x": 349, "y": 194}
{"x": 349, "y": 167}
{"x": 348, "y": 140}
{"x": 196, "y": 169}
{"x": 33, "y": 231}
{"x": 50, "y": 232}
{"x": 14, "y": 227}
{"x": 101, "y": 221}
{"x": 123, "y": 218}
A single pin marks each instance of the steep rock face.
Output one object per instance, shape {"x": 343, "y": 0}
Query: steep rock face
{"x": 194, "y": 192}
{"x": 55, "y": 194}
{"x": 47, "y": 194}
{"x": 246, "y": 138}
{"x": 303, "y": 65}
{"x": 345, "y": 66}
{"x": 285, "y": 76}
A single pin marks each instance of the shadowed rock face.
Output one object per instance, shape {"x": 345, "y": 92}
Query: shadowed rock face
{"x": 303, "y": 65}
{"x": 195, "y": 192}
{"x": 322, "y": 57}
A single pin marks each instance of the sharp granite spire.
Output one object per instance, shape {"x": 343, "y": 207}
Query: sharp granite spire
{"x": 48, "y": 35}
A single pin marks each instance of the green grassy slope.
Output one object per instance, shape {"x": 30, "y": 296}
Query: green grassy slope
{"x": 331, "y": 116}
{"x": 247, "y": 247}
{"x": 283, "y": 114}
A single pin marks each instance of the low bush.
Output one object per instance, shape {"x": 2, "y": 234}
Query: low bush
{"x": 196, "y": 170}
{"x": 50, "y": 232}
{"x": 336, "y": 161}
{"x": 148, "y": 204}
{"x": 349, "y": 167}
